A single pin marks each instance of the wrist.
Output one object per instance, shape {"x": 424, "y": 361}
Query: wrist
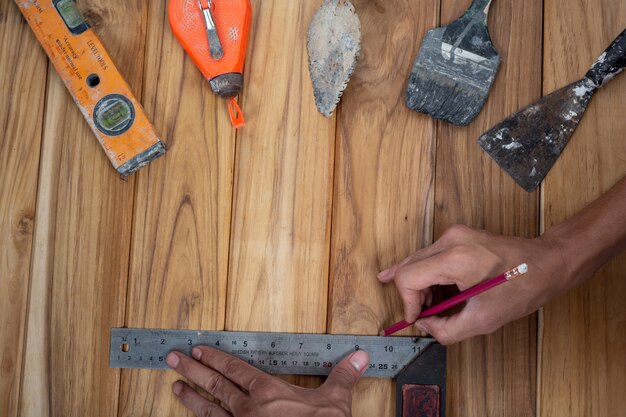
{"x": 581, "y": 256}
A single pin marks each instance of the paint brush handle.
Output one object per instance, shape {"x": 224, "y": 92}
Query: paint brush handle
{"x": 459, "y": 298}
{"x": 610, "y": 62}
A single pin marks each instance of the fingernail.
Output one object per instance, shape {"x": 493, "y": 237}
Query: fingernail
{"x": 196, "y": 353}
{"x": 172, "y": 360}
{"x": 177, "y": 387}
{"x": 384, "y": 274}
{"x": 359, "y": 360}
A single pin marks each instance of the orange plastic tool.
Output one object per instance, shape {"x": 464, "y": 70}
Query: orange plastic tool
{"x": 104, "y": 98}
{"x": 214, "y": 34}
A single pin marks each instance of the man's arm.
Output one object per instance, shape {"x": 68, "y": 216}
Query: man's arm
{"x": 562, "y": 258}
{"x": 595, "y": 235}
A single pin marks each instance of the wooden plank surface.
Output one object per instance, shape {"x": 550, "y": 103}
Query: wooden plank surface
{"x": 318, "y": 207}
{"x": 383, "y": 203}
{"x": 492, "y": 375}
{"x": 82, "y": 241}
{"x": 278, "y": 275}
{"x": 583, "y": 370}
{"x": 182, "y": 213}
{"x": 23, "y": 70}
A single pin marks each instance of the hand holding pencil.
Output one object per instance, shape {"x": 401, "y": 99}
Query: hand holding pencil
{"x": 468, "y": 259}
{"x": 521, "y": 269}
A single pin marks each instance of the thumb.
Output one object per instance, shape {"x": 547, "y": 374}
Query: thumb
{"x": 347, "y": 372}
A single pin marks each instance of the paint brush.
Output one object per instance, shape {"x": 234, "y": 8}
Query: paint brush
{"x": 455, "y": 68}
{"x": 459, "y": 298}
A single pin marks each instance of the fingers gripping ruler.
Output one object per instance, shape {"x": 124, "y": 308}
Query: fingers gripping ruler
{"x": 418, "y": 364}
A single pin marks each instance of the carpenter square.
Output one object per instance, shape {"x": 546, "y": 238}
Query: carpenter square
{"x": 418, "y": 364}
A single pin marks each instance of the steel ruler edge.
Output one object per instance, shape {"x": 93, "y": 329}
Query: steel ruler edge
{"x": 277, "y": 353}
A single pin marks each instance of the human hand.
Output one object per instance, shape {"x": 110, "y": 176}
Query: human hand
{"x": 465, "y": 257}
{"x": 247, "y": 391}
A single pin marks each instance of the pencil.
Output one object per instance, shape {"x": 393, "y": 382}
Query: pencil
{"x": 459, "y": 298}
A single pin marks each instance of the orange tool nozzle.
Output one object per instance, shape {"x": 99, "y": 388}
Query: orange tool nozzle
{"x": 214, "y": 33}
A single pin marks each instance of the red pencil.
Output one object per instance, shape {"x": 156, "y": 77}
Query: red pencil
{"x": 459, "y": 298}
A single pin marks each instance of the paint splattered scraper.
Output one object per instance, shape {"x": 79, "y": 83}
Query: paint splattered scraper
{"x": 333, "y": 43}
{"x": 455, "y": 68}
{"x": 527, "y": 144}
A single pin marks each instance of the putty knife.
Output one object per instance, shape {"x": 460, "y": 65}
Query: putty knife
{"x": 528, "y": 143}
{"x": 455, "y": 68}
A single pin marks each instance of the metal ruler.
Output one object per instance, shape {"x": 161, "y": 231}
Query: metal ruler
{"x": 277, "y": 353}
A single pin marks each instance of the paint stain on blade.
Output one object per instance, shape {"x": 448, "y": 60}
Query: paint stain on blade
{"x": 511, "y": 146}
{"x": 569, "y": 115}
{"x": 581, "y": 89}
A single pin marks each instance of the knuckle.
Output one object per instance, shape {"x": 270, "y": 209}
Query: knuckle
{"x": 259, "y": 385}
{"x": 456, "y": 233}
{"x": 208, "y": 411}
{"x": 231, "y": 367}
{"x": 213, "y": 384}
{"x": 443, "y": 336}
{"x": 461, "y": 254}
{"x": 344, "y": 376}
{"x": 404, "y": 276}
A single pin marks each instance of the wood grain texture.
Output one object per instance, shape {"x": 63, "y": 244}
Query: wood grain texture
{"x": 309, "y": 197}
{"x": 23, "y": 69}
{"x": 583, "y": 340}
{"x": 383, "y": 202}
{"x": 82, "y": 243}
{"x": 278, "y": 276}
{"x": 493, "y": 375}
{"x": 182, "y": 213}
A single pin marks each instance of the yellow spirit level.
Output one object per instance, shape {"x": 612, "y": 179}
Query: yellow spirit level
{"x": 101, "y": 93}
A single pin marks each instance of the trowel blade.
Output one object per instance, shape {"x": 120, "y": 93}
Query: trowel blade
{"x": 333, "y": 43}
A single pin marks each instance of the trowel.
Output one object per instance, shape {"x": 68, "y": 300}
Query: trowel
{"x": 333, "y": 43}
